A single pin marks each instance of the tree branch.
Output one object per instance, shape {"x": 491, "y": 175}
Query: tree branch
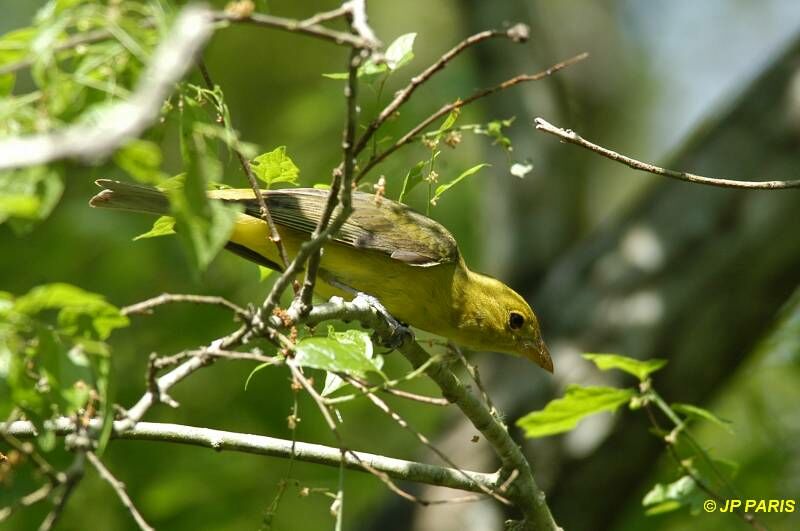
{"x": 219, "y": 440}
{"x": 122, "y": 121}
{"x": 574, "y": 138}
{"x": 409, "y": 136}
{"x": 146, "y": 307}
{"x": 517, "y": 33}
{"x": 274, "y": 235}
{"x": 119, "y": 488}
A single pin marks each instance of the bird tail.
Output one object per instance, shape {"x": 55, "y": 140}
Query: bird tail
{"x": 133, "y": 197}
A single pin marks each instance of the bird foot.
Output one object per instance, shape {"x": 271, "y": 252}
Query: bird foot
{"x": 399, "y": 332}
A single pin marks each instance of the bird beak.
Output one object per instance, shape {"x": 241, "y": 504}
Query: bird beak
{"x": 539, "y": 353}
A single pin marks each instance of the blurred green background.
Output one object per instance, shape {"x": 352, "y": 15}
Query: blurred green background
{"x": 611, "y": 259}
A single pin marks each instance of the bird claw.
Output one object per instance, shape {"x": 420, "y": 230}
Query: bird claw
{"x": 399, "y": 332}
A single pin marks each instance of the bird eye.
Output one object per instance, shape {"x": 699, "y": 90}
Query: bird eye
{"x": 515, "y": 320}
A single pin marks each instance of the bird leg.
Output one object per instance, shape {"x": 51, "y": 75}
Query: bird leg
{"x": 400, "y": 332}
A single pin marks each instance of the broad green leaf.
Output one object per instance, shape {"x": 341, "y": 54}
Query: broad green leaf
{"x": 141, "y": 159}
{"x": 442, "y": 188}
{"x": 358, "y": 340}
{"x": 667, "y": 497}
{"x": 413, "y": 178}
{"x": 639, "y": 368}
{"x": 80, "y": 313}
{"x": 163, "y": 226}
{"x": 398, "y": 54}
{"x": 29, "y": 194}
{"x": 699, "y": 413}
{"x": 563, "y": 414}
{"x": 276, "y": 167}
{"x": 346, "y": 352}
{"x": 400, "y": 51}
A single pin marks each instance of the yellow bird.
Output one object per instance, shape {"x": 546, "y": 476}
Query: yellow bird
{"x": 385, "y": 249}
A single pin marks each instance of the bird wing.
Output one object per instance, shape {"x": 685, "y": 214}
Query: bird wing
{"x": 385, "y": 226}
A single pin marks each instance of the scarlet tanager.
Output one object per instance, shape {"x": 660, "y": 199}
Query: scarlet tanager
{"x": 385, "y": 249}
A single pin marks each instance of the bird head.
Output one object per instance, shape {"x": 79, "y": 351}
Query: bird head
{"x": 495, "y": 317}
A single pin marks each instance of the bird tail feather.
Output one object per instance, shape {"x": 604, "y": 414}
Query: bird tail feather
{"x": 126, "y": 196}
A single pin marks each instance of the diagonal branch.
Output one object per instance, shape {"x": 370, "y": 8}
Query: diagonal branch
{"x": 446, "y": 109}
{"x": 274, "y": 235}
{"x": 517, "y": 33}
{"x": 572, "y": 137}
{"x": 119, "y": 488}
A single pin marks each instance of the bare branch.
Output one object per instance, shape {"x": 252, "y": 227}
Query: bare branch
{"x": 517, "y": 33}
{"x": 444, "y": 110}
{"x": 383, "y": 406}
{"x": 574, "y": 138}
{"x": 274, "y": 235}
{"x": 165, "y": 382}
{"x": 299, "y": 26}
{"x": 146, "y": 307}
{"x": 73, "y": 477}
{"x": 219, "y": 440}
{"x": 342, "y": 180}
{"x": 32, "y": 498}
{"x": 122, "y": 121}
{"x": 358, "y": 15}
{"x": 119, "y": 488}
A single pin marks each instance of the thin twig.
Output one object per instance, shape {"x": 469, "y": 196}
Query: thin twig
{"x": 574, "y": 138}
{"x": 274, "y": 235}
{"x": 165, "y": 382}
{"x": 119, "y": 488}
{"x": 444, "y": 110}
{"x": 28, "y": 500}
{"x": 383, "y": 406}
{"x": 325, "y": 16}
{"x": 73, "y": 477}
{"x": 146, "y": 307}
{"x": 341, "y": 184}
{"x": 518, "y": 33}
{"x": 313, "y": 30}
{"x": 673, "y": 453}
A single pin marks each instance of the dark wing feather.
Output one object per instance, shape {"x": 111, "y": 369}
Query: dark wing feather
{"x": 388, "y": 227}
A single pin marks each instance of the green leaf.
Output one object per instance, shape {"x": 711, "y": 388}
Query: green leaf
{"x": 259, "y": 368}
{"x": 563, "y": 414}
{"x": 667, "y": 497}
{"x": 442, "y": 188}
{"x": 400, "y": 51}
{"x": 163, "y": 226}
{"x": 276, "y": 167}
{"x": 699, "y": 413}
{"x": 641, "y": 369}
{"x": 81, "y": 313}
{"x": 347, "y": 352}
{"x": 413, "y": 178}
{"x": 449, "y": 122}
{"x": 141, "y": 159}
{"x": 264, "y": 273}
{"x": 29, "y": 194}
{"x": 14, "y": 47}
